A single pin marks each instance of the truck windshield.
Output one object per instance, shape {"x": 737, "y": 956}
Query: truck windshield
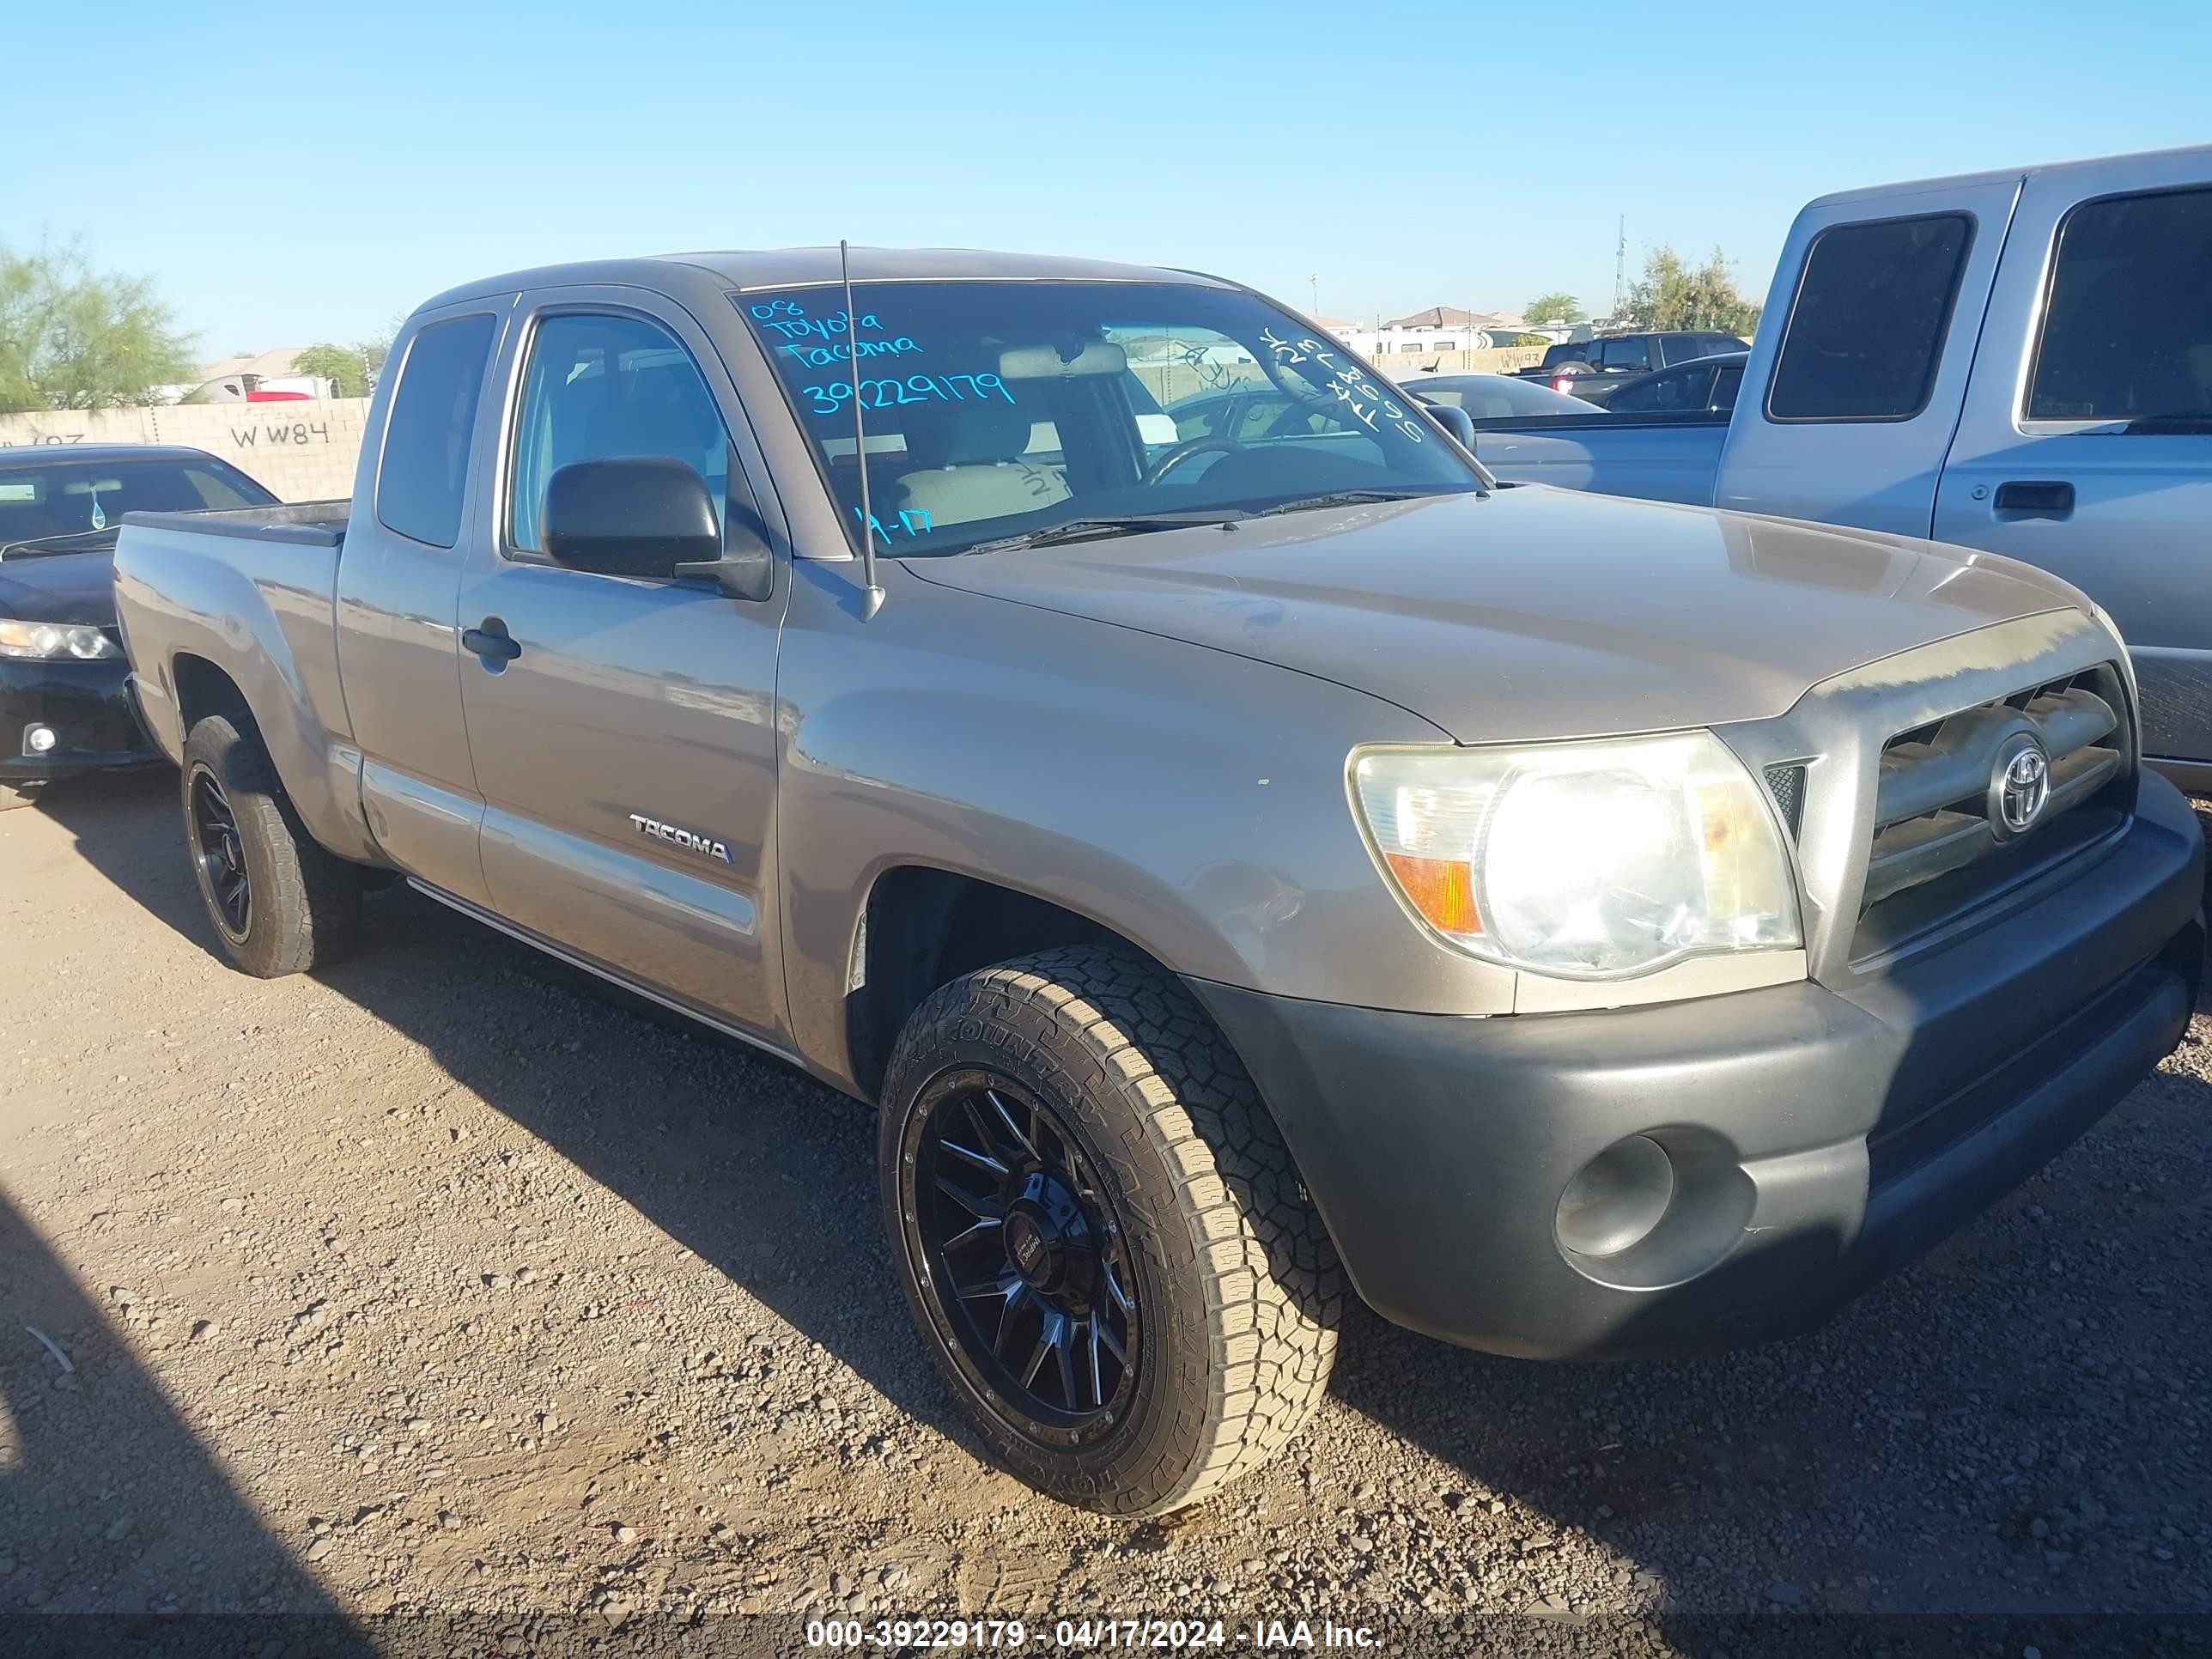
{"x": 998, "y": 410}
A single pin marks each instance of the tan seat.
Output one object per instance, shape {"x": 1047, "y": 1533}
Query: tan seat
{"x": 970, "y": 465}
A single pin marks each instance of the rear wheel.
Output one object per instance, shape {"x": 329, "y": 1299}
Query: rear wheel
{"x": 279, "y": 903}
{"x": 1100, "y": 1231}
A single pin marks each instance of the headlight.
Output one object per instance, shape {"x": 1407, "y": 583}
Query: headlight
{"x": 1587, "y": 861}
{"x": 41, "y": 640}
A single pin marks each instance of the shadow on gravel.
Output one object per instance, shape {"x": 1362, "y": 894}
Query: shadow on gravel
{"x": 1995, "y": 1430}
{"x": 115, "y": 1509}
{"x": 759, "y": 1170}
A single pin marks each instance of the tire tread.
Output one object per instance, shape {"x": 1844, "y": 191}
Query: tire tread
{"x": 1273, "y": 1291}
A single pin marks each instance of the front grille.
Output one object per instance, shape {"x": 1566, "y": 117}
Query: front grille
{"x": 1939, "y": 800}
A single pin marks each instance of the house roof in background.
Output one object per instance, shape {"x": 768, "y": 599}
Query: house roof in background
{"x": 1443, "y": 316}
{"x": 277, "y": 360}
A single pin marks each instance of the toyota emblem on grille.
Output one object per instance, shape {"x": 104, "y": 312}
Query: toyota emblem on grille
{"x": 2020, "y": 786}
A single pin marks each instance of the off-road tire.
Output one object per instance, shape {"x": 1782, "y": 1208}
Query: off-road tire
{"x": 1241, "y": 1287}
{"x": 305, "y": 902}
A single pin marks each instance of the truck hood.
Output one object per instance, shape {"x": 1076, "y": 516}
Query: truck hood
{"x": 1534, "y": 612}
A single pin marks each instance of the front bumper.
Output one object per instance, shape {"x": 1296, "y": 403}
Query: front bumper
{"x": 1816, "y": 1140}
{"x": 86, "y": 705}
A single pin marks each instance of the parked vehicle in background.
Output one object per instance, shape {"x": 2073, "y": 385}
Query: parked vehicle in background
{"x": 1706, "y": 386}
{"x": 71, "y": 498}
{"x": 1492, "y": 397}
{"x": 1599, "y": 928}
{"x": 1573, "y": 366}
{"x": 63, "y": 705}
{"x": 2018, "y": 361}
{"x": 1250, "y": 412}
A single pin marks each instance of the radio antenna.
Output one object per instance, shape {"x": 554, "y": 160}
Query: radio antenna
{"x": 874, "y": 601}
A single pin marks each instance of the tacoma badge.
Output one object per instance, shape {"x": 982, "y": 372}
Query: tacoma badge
{"x": 690, "y": 841}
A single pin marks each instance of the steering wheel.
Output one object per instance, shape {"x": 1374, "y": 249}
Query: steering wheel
{"x": 1184, "y": 451}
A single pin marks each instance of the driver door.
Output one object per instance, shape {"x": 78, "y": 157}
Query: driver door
{"x": 625, "y": 733}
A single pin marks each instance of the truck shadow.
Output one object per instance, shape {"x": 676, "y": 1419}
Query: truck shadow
{"x": 116, "y": 1510}
{"x": 1804, "y": 1468}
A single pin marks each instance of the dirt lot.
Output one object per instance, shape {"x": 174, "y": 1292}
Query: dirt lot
{"x": 437, "y": 1283}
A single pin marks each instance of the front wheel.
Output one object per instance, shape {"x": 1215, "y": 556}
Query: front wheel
{"x": 1100, "y": 1231}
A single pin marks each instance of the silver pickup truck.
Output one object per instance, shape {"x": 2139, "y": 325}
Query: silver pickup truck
{"x": 1230, "y": 866}
{"x": 2020, "y": 362}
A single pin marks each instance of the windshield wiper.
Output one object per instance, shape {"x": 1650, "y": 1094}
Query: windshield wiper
{"x": 1344, "y": 498}
{"x": 1127, "y": 524}
{"x": 2185, "y": 421}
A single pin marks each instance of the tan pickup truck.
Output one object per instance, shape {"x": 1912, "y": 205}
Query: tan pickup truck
{"x": 1239, "y": 866}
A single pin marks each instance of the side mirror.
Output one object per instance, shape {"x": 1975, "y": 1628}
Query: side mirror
{"x": 1455, "y": 420}
{"x": 635, "y": 515}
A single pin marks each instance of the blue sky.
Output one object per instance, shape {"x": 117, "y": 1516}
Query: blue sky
{"x": 294, "y": 173}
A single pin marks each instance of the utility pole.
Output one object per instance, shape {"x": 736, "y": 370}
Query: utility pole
{"x": 1313, "y": 282}
{"x": 1620, "y": 268}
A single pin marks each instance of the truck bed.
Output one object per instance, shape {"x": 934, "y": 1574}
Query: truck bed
{"x": 310, "y": 524}
{"x": 1658, "y": 457}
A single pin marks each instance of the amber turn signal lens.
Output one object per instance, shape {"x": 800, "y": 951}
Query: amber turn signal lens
{"x": 1442, "y": 889}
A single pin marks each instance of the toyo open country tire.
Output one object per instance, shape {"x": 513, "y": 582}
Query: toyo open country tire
{"x": 279, "y": 903}
{"x": 1150, "y": 1227}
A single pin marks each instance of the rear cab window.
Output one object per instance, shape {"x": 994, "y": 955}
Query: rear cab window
{"x": 422, "y": 474}
{"x": 2127, "y": 324}
{"x": 1865, "y": 327}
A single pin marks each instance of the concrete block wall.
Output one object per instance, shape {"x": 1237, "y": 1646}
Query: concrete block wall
{"x": 301, "y": 451}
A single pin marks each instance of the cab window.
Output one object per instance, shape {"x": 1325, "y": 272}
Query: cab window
{"x": 1866, "y": 328}
{"x": 422, "y": 477}
{"x": 2127, "y": 333}
{"x": 600, "y": 387}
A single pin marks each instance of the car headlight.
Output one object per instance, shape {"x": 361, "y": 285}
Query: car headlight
{"x": 1586, "y": 861}
{"x": 65, "y": 640}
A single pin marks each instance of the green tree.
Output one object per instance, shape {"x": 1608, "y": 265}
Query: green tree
{"x": 72, "y": 337}
{"x": 345, "y": 368}
{"x": 1555, "y": 307}
{"x": 1673, "y": 295}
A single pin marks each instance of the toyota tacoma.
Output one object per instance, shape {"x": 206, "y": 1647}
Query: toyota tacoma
{"x": 1241, "y": 871}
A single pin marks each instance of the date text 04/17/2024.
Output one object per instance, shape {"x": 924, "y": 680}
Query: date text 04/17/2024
{"x": 1086, "y": 1635}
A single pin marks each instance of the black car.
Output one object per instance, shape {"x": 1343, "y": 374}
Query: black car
{"x": 1584, "y": 364}
{"x": 1704, "y": 386}
{"x": 1494, "y": 396}
{"x": 63, "y": 708}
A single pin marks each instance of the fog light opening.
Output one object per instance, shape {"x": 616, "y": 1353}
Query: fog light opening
{"x": 39, "y": 739}
{"x": 1617, "y": 1198}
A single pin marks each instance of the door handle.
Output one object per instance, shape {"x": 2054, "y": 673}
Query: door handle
{"x": 2040, "y": 499}
{"x": 493, "y": 643}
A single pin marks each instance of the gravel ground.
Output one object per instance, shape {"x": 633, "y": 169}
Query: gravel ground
{"x": 437, "y": 1283}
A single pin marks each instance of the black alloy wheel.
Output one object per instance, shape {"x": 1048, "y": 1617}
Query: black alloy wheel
{"x": 220, "y": 855}
{"x": 1025, "y": 1265}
